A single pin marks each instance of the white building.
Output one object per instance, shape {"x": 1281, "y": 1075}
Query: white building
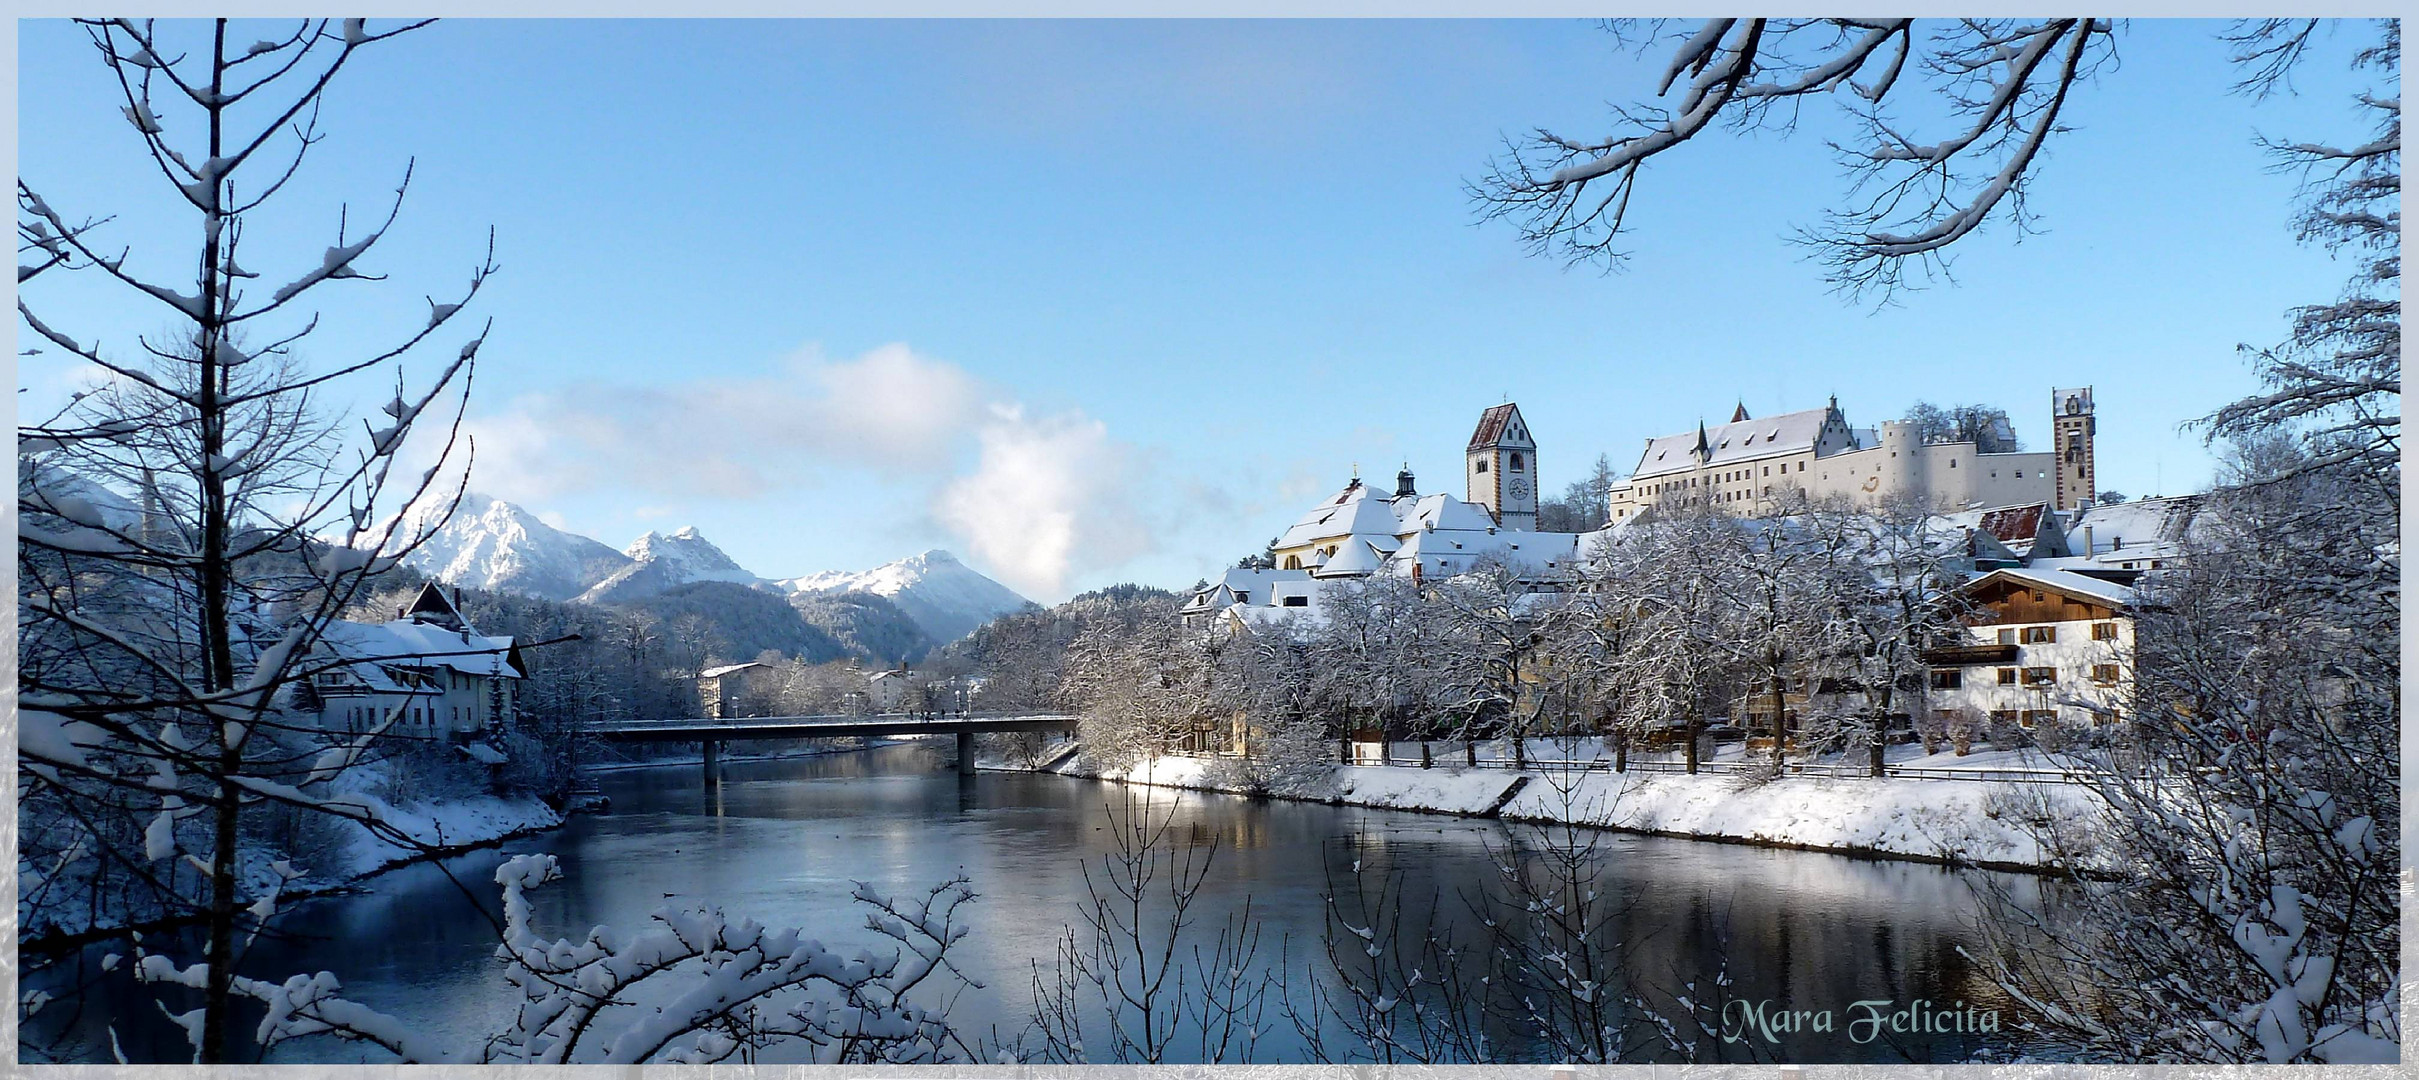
{"x": 1751, "y": 467}
{"x": 730, "y": 690}
{"x": 2039, "y": 645}
{"x": 427, "y": 674}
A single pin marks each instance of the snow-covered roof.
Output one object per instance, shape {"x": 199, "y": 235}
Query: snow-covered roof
{"x": 2021, "y": 531}
{"x": 2063, "y": 581}
{"x": 1358, "y": 508}
{"x": 1442, "y": 512}
{"x": 409, "y": 643}
{"x": 2157, "y": 523}
{"x": 484, "y": 754}
{"x": 1745, "y": 440}
{"x": 1356, "y": 557}
{"x": 718, "y": 672}
{"x": 1445, "y": 553}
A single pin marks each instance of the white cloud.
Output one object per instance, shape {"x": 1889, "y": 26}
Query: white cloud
{"x": 888, "y": 410}
{"x": 1030, "y": 498}
{"x": 1045, "y": 494}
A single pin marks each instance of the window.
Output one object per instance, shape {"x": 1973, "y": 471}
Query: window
{"x": 2040, "y": 635}
{"x": 1297, "y": 601}
{"x": 1243, "y": 597}
{"x": 2038, "y": 716}
{"x": 1517, "y": 465}
{"x": 2003, "y": 716}
{"x": 2040, "y": 676}
{"x": 1768, "y": 469}
{"x": 1952, "y": 463}
{"x": 1482, "y": 464}
{"x": 2104, "y": 673}
{"x": 1946, "y": 678}
{"x": 2007, "y": 637}
{"x": 2007, "y": 676}
{"x": 2103, "y": 631}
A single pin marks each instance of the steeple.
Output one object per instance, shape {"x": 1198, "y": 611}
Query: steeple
{"x": 1704, "y": 449}
{"x": 1402, "y": 483}
{"x": 1739, "y": 415}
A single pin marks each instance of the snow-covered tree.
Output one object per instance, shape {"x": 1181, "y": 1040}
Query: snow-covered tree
{"x": 162, "y": 642}
{"x": 1675, "y": 576}
{"x": 2257, "y": 914}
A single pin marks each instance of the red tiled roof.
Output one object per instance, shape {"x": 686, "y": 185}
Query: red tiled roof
{"x": 1490, "y": 425}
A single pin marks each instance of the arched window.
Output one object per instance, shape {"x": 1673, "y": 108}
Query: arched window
{"x": 1293, "y": 562}
{"x": 1516, "y": 463}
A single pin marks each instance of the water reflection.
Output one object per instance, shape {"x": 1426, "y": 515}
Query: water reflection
{"x": 785, "y": 841}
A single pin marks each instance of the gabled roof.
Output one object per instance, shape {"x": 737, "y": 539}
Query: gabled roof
{"x": 1358, "y": 508}
{"x": 1742, "y": 440}
{"x": 408, "y": 643}
{"x": 1493, "y": 424}
{"x": 432, "y": 605}
{"x": 2060, "y": 581}
{"x": 718, "y": 672}
{"x": 1355, "y": 558}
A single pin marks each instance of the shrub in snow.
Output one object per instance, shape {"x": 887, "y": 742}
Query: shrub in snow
{"x": 695, "y": 986}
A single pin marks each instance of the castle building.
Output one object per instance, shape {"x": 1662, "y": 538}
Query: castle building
{"x": 1754, "y": 466}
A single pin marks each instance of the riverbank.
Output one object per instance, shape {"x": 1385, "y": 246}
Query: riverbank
{"x": 437, "y": 828}
{"x": 1982, "y": 823}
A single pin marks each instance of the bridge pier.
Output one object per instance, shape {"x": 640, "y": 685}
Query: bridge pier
{"x": 713, "y": 761}
{"x": 965, "y": 753}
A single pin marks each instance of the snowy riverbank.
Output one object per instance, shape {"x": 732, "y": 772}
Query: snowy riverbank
{"x": 344, "y": 856}
{"x": 1983, "y": 822}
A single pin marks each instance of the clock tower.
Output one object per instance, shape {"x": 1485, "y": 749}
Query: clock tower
{"x": 1501, "y": 467}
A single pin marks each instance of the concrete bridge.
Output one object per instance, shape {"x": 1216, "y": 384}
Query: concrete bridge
{"x": 713, "y": 732}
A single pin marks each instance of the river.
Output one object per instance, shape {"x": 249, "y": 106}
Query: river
{"x": 783, "y": 841}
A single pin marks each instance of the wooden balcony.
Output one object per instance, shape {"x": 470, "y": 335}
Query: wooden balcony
{"x": 1957, "y": 655}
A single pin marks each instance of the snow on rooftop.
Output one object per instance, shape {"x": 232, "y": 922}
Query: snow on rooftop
{"x": 1743, "y": 440}
{"x": 2064, "y": 581}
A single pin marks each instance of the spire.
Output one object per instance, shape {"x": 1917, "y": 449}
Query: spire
{"x": 1704, "y": 450}
{"x": 1739, "y": 415}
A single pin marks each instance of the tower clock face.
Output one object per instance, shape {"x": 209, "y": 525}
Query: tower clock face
{"x": 1518, "y": 489}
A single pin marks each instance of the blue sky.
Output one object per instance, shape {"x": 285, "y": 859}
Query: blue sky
{"x": 1098, "y": 301}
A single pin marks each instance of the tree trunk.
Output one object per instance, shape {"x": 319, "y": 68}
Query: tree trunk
{"x": 217, "y": 636}
{"x": 1695, "y": 729}
{"x": 1780, "y": 721}
{"x": 1621, "y": 751}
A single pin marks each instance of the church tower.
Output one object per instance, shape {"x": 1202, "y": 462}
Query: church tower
{"x": 1502, "y": 467}
{"x": 2071, "y": 431}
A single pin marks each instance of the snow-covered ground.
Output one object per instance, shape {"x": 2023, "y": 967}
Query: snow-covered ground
{"x": 1981, "y": 821}
{"x": 450, "y": 823}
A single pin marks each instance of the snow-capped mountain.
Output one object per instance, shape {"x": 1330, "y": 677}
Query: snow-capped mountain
{"x": 492, "y": 544}
{"x": 944, "y": 596}
{"x": 659, "y": 562}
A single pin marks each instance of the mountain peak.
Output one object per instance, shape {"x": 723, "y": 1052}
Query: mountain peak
{"x": 488, "y": 543}
{"x": 944, "y": 596}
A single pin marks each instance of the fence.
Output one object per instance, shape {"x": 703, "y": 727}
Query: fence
{"x": 1794, "y": 768}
